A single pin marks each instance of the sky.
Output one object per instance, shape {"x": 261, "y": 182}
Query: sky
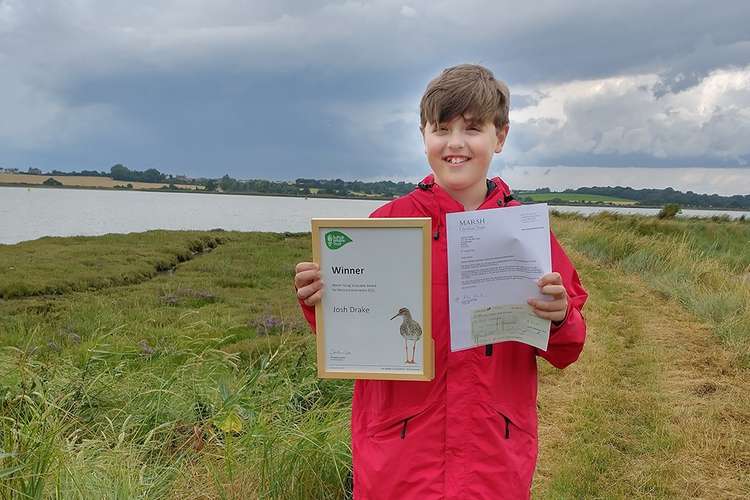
{"x": 638, "y": 93}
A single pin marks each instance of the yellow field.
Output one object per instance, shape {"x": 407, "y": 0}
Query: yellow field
{"x": 84, "y": 181}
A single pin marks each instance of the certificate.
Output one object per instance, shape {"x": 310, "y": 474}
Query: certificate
{"x": 495, "y": 258}
{"x": 373, "y": 321}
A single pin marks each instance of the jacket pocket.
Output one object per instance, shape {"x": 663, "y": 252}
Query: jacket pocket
{"x": 511, "y": 424}
{"x": 396, "y": 425}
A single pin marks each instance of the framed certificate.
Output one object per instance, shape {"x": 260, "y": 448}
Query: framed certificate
{"x": 374, "y": 319}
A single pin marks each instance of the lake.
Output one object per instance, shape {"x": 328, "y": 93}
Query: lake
{"x": 30, "y": 213}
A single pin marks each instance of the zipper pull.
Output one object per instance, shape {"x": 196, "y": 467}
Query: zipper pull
{"x": 436, "y": 236}
{"x": 403, "y": 429}
{"x": 507, "y": 427}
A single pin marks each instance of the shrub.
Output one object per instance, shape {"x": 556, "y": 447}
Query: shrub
{"x": 669, "y": 210}
{"x": 52, "y": 182}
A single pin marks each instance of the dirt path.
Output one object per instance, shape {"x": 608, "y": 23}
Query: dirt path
{"x": 653, "y": 409}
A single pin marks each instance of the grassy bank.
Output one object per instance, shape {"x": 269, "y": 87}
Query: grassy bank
{"x": 84, "y": 181}
{"x": 176, "y": 365}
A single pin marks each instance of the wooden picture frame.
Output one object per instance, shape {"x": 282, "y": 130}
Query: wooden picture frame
{"x": 375, "y": 271}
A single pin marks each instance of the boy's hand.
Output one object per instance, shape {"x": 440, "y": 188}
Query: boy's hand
{"x": 555, "y": 309}
{"x": 307, "y": 282}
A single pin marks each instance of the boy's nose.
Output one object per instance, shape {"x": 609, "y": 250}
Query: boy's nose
{"x": 456, "y": 141}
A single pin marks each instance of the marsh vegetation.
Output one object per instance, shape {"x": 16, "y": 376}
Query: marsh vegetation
{"x": 176, "y": 365}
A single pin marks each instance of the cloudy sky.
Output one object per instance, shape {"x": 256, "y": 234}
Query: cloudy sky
{"x": 636, "y": 93}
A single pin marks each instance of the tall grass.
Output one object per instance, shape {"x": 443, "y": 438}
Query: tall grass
{"x": 198, "y": 383}
{"x": 702, "y": 264}
{"x": 262, "y": 427}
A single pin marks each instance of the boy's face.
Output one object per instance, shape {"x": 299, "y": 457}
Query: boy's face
{"x": 460, "y": 151}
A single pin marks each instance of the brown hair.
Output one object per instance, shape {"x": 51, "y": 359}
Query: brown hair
{"x": 462, "y": 89}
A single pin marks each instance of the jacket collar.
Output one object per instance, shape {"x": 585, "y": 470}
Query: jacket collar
{"x": 433, "y": 196}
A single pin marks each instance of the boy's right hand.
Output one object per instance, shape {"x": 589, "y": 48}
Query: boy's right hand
{"x": 307, "y": 282}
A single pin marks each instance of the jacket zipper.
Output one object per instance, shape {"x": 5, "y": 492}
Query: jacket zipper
{"x": 403, "y": 429}
{"x": 507, "y": 427}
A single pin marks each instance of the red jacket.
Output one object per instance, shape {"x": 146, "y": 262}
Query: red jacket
{"x": 472, "y": 431}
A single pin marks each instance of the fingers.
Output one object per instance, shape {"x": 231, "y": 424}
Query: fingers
{"x": 556, "y": 316}
{"x": 557, "y": 291}
{"x": 314, "y": 298}
{"x": 307, "y": 292}
{"x": 549, "y": 305}
{"x": 554, "y": 310}
{"x": 307, "y": 282}
{"x": 550, "y": 279}
{"x": 305, "y": 266}
{"x": 304, "y": 278}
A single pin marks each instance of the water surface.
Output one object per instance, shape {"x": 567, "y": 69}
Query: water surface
{"x": 30, "y": 213}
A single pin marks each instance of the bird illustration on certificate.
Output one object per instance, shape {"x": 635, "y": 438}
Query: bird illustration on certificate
{"x": 410, "y": 331}
{"x": 375, "y": 273}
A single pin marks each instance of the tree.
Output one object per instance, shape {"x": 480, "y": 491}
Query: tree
{"x": 227, "y": 183}
{"x": 120, "y": 172}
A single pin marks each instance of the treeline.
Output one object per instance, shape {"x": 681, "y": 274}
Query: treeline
{"x": 86, "y": 173}
{"x": 123, "y": 173}
{"x": 669, "y": 195}
{"x": 230, "y": 185}
{"x": 310, "y": 187}
{"x": 340, "y": 187}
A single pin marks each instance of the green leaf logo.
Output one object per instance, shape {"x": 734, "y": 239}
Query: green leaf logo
{"x": 336, "y": 240}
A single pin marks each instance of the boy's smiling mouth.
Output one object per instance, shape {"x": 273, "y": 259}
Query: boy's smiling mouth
{"x": 456, "y": 160}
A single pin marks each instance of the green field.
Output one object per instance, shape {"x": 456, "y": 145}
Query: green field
{"x": 576, "y": 198}
{"x": 177, "y": 365}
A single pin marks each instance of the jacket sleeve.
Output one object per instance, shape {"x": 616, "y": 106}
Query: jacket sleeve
{"x": 309, "y": 313}
{"x": 566, "y": 339}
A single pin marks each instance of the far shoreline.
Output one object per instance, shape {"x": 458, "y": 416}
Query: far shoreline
{"x": 334, "y": 197}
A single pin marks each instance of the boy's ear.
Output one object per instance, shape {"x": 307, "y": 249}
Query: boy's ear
{"x": 502, "y": 134}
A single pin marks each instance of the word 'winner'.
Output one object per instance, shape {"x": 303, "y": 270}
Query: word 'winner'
{"x": 347, "y": 270}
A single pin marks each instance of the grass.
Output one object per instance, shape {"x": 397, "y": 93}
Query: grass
{"x": 703, "y": 264}
{"x": 192, "y": 383}
{"x": 147, "y": 366}
{"x": 33, "y": 268}
{"x": 656, "y": 408}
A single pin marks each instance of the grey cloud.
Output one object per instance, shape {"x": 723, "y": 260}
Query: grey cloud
{"x": 519, "y": 101}
{"x": 331, "y": 88}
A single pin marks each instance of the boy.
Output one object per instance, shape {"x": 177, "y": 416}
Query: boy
{"x": 472, "y": 431}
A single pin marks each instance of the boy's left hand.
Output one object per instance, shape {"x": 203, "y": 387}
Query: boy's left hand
{"x": 556, "y": 308}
